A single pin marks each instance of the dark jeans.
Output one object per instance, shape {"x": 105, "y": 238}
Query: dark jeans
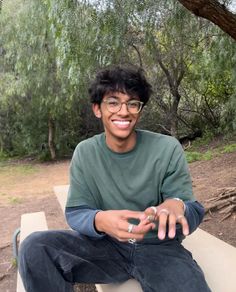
{"x": 54, "y": 260}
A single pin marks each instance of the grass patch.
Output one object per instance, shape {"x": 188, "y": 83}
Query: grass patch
{"x": 229, "y": 148}
{"x": 196, "y": 156}
{"x": 207, "y": 155}
{"x": 18, "y": 169}
{"x": 14, "y": 263}
{"x": 192, "y": 156}
{"x": 15, "y": 200}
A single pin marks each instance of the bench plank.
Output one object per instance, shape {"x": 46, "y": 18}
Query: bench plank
{"x": 30, "y": 222}
{"x": 127, "y": 286}
{"x": 216, "y": 258}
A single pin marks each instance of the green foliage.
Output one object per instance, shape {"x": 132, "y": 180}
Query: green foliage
{"x": 208, "y": 155}
{"x": 196, "y": 156}
{"x": 192, "y": 156}
{"x": 3, "y": 156}
{"x": 49, "y": 50}
{"x": 14, "y": 262}
{"x": 204, "y": 141}
{"x": 229, "y": 148}
{"x": 213, "y": 82}
{"x": 228, "y": 121}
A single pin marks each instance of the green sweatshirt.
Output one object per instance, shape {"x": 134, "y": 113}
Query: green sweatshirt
{"x": 153, "y": 171}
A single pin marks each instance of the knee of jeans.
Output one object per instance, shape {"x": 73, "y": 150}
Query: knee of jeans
{"x": 31, "y": 244}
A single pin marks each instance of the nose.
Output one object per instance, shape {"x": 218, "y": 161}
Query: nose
{"x": 123, "y": 109}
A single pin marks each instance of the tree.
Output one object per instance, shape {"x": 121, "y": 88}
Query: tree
{"x": 167, "y": 37}
{"x": 214, "y": 12}
{"x": 35, "y": 90}
{"x": 49, "y": 50}
{"x": 67, "y": 41}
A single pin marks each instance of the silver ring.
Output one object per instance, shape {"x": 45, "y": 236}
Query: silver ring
{"x": 132, "y": 240}
{"x": 154, "y": 209}
{"x": 130, "y": 228}
{"x": 150, "y": 218}
{"x": 164, "y": 211}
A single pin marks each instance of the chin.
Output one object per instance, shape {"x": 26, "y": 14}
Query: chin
{"x": 123, "y": 136}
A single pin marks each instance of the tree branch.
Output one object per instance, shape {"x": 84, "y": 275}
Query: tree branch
{"x": 139, "y": 55}
{"x": 214, "y": 12}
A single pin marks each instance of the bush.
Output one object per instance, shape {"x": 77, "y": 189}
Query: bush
{"x": 193, "y": 156}
{"x": 229, "y": 148}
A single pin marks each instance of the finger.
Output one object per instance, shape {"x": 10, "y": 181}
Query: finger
{"x": 137, "y": 233}
{"x": 147, "y": 220}
{"x": 127, "y": 232}
{"x": 132, "y": 214}
{"x": 162, "y": 225}
{"x": 130, "y": 228}
{"x": 184, "y": 223}
{"x": 126, "y": 227}
{"x": 143, "y": 228}
{"x": 172, "y": 225}
{"x": 151, "y": 211}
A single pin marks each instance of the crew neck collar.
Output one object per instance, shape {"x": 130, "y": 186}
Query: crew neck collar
{"x": 131, "y": 151}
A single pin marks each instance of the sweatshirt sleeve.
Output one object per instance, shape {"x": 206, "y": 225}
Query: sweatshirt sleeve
{"x": 81, "y": 219}
{"x": 177, "y": 180}
{"x": 194, "y": 214}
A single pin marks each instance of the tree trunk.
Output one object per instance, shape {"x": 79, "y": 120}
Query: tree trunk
{"x": 174, "y": 125}
{"x": 214, "y": 12}
{"x": 174, "y": 114}
{"x": 51, "y": 133}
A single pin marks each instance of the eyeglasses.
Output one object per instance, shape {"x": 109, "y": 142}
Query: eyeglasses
{"x": 114, "y": 106}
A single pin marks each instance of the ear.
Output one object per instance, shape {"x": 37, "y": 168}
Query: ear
{"x": 96, "y": 110}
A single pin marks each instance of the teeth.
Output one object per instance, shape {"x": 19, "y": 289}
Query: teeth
{"x": 121, "y": 122}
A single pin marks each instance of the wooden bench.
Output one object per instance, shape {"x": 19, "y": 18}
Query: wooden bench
{"x": 216, "y": 258}
{"x": 29, "y": 223}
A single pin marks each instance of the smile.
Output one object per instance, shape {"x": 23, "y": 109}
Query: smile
{"x": 121, "y": 123}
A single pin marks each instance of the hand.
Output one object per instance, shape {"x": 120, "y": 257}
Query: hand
{"x": 169, "y": 213}
{"x": 116, "y": 223}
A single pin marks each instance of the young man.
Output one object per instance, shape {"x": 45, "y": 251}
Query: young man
{"x": 130, "y": 204}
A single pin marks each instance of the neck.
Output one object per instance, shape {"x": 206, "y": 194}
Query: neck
{"x": 122, "y": 145}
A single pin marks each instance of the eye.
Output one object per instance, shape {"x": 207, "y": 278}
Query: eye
{"x": 113, "y": 103}
{"x": 133, "y": 104}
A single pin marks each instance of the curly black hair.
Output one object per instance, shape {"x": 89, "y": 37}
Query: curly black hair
{"x": 126, "y": 79}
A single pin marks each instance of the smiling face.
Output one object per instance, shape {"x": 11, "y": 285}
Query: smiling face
{"x": 120, "y": 126}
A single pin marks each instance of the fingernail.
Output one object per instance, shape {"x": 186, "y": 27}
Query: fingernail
{"x": 186, "y": 232}
{"x": 161, "y": 235}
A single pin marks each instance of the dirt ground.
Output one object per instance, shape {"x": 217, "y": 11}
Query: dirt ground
{"x": 32, "y": 191}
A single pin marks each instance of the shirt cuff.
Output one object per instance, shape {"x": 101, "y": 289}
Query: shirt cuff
{"x": 82, "y": 221}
